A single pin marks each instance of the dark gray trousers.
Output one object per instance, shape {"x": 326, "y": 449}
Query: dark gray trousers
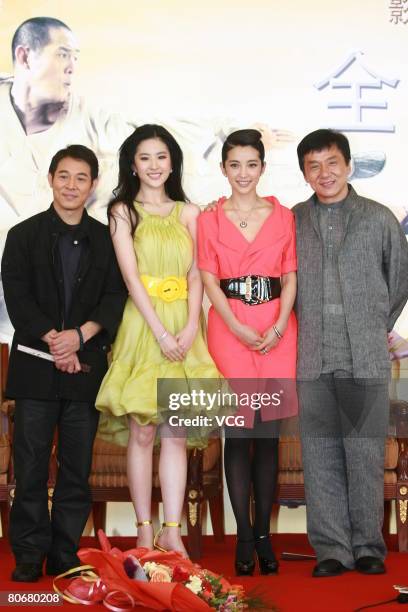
{"x": 344, "y": 425}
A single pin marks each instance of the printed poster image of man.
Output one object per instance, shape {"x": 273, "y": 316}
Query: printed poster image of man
{"x": 43, "y": 111}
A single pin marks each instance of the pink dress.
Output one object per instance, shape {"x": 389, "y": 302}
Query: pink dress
{"x": 226, "y": 253}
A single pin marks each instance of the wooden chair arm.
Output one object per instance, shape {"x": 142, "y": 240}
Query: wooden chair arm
{"x": 7, "y": 407}
{"x": 6, "y": 417}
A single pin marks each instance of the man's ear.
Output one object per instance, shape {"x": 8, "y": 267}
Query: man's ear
{"x": 21, "y": 56}
{"x": 50, "y": 179}
{"x": 94, "y": 185}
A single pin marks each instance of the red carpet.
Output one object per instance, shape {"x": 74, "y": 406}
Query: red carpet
{"x": 292, "y": 590}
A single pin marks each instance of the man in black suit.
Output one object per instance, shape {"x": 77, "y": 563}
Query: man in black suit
{"x": 65, "y": 297}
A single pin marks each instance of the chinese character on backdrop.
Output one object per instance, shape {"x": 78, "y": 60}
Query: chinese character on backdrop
{"x": 398, "y": 11}
{"x": 352, "y": 86}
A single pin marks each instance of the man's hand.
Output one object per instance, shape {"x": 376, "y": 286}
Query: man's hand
{"x": 49, "y": 336}
{"x": 64, "y": 344}
{"x": 70, "y": 365}
{"x": 211, "y": 206}
{"x": 397, "y": 346}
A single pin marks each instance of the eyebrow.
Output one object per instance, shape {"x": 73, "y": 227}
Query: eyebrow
{"x": 249, "y": 161}
{"x": 316, "y": 161}
{"x": 68, "y": 49}
{"x": 158, "y": 153}
{"x": 67, "y": 172}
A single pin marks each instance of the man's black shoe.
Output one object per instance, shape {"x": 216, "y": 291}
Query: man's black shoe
{"x": 27, "y": 572}
{"x": 54, "y": 568}
{"x": 327, "y": 568}
{"x": 370, "y": 565}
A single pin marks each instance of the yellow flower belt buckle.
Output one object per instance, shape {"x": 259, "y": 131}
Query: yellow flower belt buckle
{"x": 171, "y": 289}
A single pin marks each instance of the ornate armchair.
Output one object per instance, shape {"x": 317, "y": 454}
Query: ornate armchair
{"x": 5, "y": 445}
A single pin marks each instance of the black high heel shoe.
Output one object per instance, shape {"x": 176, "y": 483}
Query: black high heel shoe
{"x": 244, "y": 567}
{"x": 268, "y": 563}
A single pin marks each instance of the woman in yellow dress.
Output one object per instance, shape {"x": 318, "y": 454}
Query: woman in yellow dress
{"x": 161, "y": 335}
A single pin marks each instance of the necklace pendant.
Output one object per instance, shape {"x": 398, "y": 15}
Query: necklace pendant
{"x": 243, "y": 224}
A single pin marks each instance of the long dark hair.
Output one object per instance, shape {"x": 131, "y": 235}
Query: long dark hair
{"x": 129, "y": 184}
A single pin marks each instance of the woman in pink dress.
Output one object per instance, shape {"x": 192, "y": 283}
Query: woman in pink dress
{"x": 247, "y": 257}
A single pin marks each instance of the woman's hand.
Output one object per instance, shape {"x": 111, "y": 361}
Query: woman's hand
{"x": 185, "y": 337}
{"x": 248, "y": 336}
{"x": 270, "y": 339}
{"x": 171, "y": 348}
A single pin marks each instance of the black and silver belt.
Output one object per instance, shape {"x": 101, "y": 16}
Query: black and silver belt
{"x": 252, "y": 289}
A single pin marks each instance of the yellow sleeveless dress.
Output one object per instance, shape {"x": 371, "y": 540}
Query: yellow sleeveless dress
{"x": 163, "y": 247}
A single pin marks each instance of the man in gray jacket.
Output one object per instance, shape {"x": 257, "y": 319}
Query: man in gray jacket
{"x": 352, "y": 286}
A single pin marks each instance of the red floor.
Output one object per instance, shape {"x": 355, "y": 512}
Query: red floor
{"x": 292, "y": 590}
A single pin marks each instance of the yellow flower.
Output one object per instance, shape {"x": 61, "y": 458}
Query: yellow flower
{"x": 150, "y": 566}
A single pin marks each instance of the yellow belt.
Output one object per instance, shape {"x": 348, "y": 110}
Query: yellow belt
{"x": 167, "y": 289}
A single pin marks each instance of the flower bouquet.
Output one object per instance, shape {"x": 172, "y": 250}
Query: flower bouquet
{"x": 121, "y": 580}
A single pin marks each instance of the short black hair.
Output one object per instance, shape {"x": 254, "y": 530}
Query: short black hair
{"x": 35, "y": 33}
{"x": 243, "y": 138}
{"x": 76, "y": 151}
{"x": 322, "y": 139}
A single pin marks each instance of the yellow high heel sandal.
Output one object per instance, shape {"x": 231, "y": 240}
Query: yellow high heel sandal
{"x": 142, "y": 524}
{"x": 158, "y": 534}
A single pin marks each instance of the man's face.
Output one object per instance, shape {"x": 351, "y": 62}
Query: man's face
{"x": 327, "y": 172}
{"x": 51, "y": 68}
{"x": 71, "y": 185}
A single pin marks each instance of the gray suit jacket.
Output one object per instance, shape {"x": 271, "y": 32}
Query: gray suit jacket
{"x": 373, "y": 269}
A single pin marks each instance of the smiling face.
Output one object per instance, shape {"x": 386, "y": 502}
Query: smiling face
{"x": 152, "y": 163}
{"x": 243, "y": 169}
{"x": 71, "y": 185}
{"x": 327, "y": 172}
{"x": 51, "y": 68}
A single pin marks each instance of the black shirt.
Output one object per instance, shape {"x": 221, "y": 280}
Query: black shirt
{"x": 70, "y": 252}
{"x": 72, "y": 241}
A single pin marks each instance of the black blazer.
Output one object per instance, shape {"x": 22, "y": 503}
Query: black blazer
{"x": 33, "y": 291}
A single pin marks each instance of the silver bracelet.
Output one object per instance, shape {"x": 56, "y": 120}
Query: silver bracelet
{"x": 277, "y": 332}
{"x": 163, "y": 336}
